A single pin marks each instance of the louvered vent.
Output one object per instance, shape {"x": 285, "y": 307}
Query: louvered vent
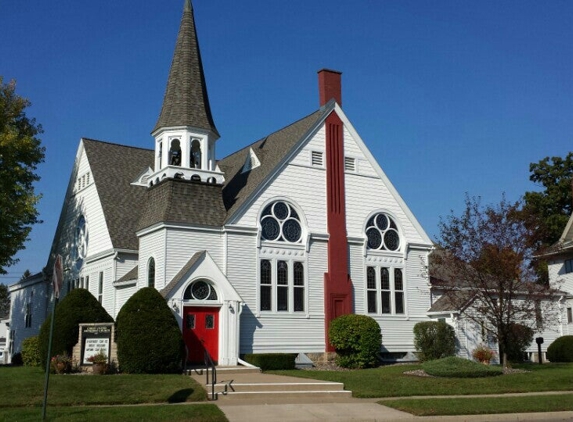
{"x": 317, "y": 158}
{"x": 349, "y": 164}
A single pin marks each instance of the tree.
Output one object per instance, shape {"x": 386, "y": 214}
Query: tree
{"x": 485, "y": 262}
{"x": 4, "y": 300}
{"x": 20, "y": 154}
{"x": 553, "y": 205}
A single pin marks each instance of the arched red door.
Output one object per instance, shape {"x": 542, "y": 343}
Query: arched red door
{"x": 201, "y": 332}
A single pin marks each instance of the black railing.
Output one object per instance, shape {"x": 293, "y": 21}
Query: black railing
{"x": 210, "y": 365}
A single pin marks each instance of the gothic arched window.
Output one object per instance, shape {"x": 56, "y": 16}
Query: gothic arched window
{"x": 382, "y": 233}
{"x": 151, "y": 273}
{"x": 280, "y": 222}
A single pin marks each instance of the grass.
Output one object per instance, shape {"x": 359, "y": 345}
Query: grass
{"x": 195, "y": 413}
{"x": 484, "y": 405}
{"x": 456, "y": 367}
{"x": 90, "y": 398}
{"x": 389, "y": 381}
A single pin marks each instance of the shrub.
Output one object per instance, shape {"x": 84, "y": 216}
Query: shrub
{"x": 483, "y": 353}
{"x": 78, "y": 306}
{"x": 31, "y": 351}
{"x": 519, "y": 338}
{"x": 454, "y": 367}
{"x": 561, "y": 350}
{"x": 434, "y": 340}
{"x": 149, "y": 340}
{"x": 272, "y": 361}
{"x": 17, "y": 359}
{"x": 357, "y": 340}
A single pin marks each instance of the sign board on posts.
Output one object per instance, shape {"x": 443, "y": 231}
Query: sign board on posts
{"x": 95, "y": 339}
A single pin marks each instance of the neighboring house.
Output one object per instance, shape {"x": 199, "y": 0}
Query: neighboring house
{"x": 560, "y": 264}
{"x": 256, "y": 252}
{"x": 457, "y": 303}
{"x": 4, "y": 340}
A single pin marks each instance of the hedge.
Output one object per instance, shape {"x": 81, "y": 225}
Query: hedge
{"x": 434, "y": 340}
{"x": 272, "y": 361}
{"x": 31, "y": 351}
{"x": 356, "y": 339}
{"x": 454, "y": 367}
{"x": 561, "y": 350}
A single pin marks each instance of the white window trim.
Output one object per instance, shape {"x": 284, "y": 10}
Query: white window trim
{"x": 391, "y": 269}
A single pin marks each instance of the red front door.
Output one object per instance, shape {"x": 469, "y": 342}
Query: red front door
{"x": 201, "y": 332}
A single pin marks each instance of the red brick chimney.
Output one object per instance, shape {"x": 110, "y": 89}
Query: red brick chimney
{"x": 329, "y": 86}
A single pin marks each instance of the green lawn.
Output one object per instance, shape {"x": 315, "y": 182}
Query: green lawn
{"x": 73, "y": 397}
{"x": 389, "y": 381}
{"x": 482, "y": 406}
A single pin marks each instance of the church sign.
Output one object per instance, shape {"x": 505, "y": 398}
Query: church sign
{"x": 96, "y": 338}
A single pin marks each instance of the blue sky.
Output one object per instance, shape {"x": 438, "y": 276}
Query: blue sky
{"x": 450, "y": 96}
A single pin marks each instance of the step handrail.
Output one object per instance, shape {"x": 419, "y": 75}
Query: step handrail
{"x": 210, "y": 365}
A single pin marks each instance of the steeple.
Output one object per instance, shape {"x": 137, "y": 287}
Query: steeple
{"x": 185, "y": 134}
{"x": 186, "y": 102}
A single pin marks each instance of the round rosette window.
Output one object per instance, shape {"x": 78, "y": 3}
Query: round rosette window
{"x": 382, "y": 233}
{"x": 200, "y": 290}
{"x": 280, "y": 222}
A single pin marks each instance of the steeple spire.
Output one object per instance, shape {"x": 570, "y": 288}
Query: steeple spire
{"x": 186, "y": 102}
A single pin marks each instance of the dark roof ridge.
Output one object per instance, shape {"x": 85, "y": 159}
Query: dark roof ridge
{"x": 115, "y": 144}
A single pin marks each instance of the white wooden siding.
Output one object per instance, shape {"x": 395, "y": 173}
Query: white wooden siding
{"x": 152, "y": 245}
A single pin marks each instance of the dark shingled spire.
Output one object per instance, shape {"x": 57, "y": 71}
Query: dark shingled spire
{"x": 186, "y": 102}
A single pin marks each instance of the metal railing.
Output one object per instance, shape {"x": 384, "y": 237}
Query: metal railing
{"x": 210, "y": 365}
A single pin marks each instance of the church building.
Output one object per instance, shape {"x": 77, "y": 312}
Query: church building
{"x": 256, "y": 252}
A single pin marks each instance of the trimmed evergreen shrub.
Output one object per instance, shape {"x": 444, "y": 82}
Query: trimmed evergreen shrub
{"x": 78, "y": 306}
{"x": 519, "y": 338}
{"x": 356, "y": 339}
{"x": 272, "y": 361}
{"x": 149, "y": 340}
{"x": 454, "y": 367}
{"x": 561, "y": 350}
{"x": 434, "y": 340}
{"x": 31, "y": 351}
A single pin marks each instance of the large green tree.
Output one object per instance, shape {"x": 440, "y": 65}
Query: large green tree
{"x": 552, "y": 205}
{"x": 20, "y": 154}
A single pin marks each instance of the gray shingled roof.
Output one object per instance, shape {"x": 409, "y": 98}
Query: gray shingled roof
{"x": 114, "y": 167}
{"x": 182, "y": 272}
{"x": 132, "y": 274}
{"x": 270, "y": 150}
{"x": 183, "y": 201}
{"x": 186, "y": 102}
{"x": 452, "y": 301}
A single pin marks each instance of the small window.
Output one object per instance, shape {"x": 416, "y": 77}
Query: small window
{"x": 349, "y": 164}
{"x": 209, "y": 321}
{"x": 151, "y": 273}
{"x": 569, "y": 316}
{"x": 316, "y": 158}
{"x": 569, "y": 266}
{"x": 100, "y": 288}
{"x": 190, "y": 321}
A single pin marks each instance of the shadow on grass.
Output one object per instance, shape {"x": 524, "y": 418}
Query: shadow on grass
{"x": 180, "y": 396}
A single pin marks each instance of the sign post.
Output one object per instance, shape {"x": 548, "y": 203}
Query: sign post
{"x": 57, "y": 280}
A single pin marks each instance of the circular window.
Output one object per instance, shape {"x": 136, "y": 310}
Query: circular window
{"x": 200, "y": 290}
{"x": 382, "y": 233}
{"x": 280, "y": 222}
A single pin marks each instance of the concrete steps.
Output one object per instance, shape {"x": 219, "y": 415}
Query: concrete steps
{"x": 248, "y": 385}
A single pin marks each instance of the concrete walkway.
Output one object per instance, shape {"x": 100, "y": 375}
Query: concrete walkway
{"x": 309, "y": 408}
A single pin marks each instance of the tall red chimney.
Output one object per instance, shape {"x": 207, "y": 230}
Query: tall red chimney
{"x": 329, "y": 86}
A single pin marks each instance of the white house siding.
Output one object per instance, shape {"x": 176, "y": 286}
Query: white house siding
{"x": 559, "y": 278}
{"x": 152, "y": 245}
{"x": 122, "y": 295}
{"x": 37, "y": 293}
{"x": 316, "y": 144}
{"x": 182, "y": 244}
{"x": 302, "y": 185}
{"x": 357, "y": 269}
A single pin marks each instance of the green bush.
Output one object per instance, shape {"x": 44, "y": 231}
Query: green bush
{"x": 78, "y": 306}
{"x": 519, "y": 338}
{"x": 561, "y": 350}
{"x": 272, "y": 361}
{"x": 454, "y": 367}
{"x": 31, "y": 351}
{"x": 356, "y": 339}
{"x": 434, "y": 340}
{"x": 149, "y": 340}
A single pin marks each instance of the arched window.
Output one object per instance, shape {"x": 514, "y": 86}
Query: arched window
{"x": 175, "y": 153}
{"x": 200, "y": 290}
{"x": 382, "y": 233}
{"x": 80, "y": 245}
{"x": 151, "y": 273}
{"x": 280, "y": 222}
{"x": 195, "y": 154}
